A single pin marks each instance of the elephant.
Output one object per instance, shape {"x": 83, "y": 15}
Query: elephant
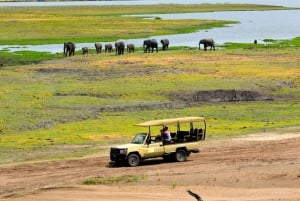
{"x": 130, "y": 47}
{"x": 149, "y": 45}
{"x": 69, "y": 48}
{"x": 98, "y": 47}
{"x": 120, "y": 47}
{"x": 85, "y": 50}
{"x": 165, "y": 44}
{"x": 207, "y": 42}
{"x": 108, "y": 47}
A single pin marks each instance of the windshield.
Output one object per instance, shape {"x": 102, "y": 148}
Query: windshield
{"x": 139, "y": 138}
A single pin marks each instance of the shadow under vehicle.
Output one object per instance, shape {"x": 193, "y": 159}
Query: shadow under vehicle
{"x": 146, "y": 145}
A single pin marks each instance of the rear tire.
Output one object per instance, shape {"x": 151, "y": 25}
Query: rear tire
{"x": 180, "y": 155}
{"x": 133, "y": 160}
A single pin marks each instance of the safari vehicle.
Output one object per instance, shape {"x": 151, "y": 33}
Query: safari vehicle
{"x": 147, "y": 145}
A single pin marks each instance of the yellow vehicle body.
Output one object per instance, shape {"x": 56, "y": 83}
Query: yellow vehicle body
{"x": 145, "y": 146}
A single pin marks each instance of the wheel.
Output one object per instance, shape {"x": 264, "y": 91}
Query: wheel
{"x": 133, "y": 160}
{"x": 180, "y": 155}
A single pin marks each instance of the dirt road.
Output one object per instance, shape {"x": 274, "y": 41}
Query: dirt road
{"x": 261, "y": 167}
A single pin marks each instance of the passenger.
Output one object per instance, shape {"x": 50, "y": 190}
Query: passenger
{"x": 166, "y": 135}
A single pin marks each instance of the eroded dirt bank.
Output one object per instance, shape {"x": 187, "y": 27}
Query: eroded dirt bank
{"x": 231, "y": 169}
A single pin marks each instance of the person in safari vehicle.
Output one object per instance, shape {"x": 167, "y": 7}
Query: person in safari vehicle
{"x": 166, "y": 135}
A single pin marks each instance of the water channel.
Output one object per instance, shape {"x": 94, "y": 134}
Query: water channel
{"x": 259, "y": 25}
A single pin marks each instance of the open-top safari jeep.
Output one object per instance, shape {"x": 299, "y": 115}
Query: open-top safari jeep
{"x": 146, "y": 145}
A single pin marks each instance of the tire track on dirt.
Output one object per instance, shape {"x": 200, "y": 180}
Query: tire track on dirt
{"x": 230, "y": 163}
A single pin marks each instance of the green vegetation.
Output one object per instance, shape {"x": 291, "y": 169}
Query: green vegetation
{"x": 54, "y": 25}
{"x": 112, "y": 180}
{"x": 24, "y": 57}
{"x": 72, "y": 106}
{"x": 268, "y": 43}
{"x": 76, "y": 106}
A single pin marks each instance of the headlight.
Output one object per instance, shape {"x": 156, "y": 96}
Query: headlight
{"x": 123, "y": 151}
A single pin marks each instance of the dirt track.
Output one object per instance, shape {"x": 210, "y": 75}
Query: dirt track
{"x": 263, "y": 167}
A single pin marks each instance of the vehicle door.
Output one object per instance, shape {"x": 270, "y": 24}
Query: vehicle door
{"x": 153, "y": 149}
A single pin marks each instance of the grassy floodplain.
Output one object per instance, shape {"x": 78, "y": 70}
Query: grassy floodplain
{"x": 55, "y": 25}
{"x": 75, "y": 106}
{"x": 70, "y": 107}
{"x": 46, "y": 25}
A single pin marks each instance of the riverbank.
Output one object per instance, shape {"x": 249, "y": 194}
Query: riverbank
{"x": 262, "y": 30}
{"x": 55, "y": 25}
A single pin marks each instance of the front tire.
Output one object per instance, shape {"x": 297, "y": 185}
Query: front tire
{"x": 133, "y": 160}
{"x": 180, "y": 155}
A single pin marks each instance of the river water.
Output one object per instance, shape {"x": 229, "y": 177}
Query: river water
{"x": 259, "y": 25}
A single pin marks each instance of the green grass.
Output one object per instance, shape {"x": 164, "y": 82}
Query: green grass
{"x": 49, "y": 25}
{"x": 112, "y": 180}
{"x": 268, "y": 43}
{"x": 72, "y": 103}
{"x": 24, "y": 57}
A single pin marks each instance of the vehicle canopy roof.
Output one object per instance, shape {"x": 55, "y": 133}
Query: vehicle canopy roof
{"x": 163, "y": 122}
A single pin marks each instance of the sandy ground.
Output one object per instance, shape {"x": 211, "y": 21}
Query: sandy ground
{"x": 258, "y": 167}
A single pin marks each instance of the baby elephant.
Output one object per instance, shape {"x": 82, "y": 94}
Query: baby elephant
{"x": 85, "y": 50}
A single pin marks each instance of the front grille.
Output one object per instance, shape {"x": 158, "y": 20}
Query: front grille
{"x": 115, "y": 155}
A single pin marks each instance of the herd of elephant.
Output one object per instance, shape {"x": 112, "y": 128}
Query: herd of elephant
{"x": 149, "y": 46}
